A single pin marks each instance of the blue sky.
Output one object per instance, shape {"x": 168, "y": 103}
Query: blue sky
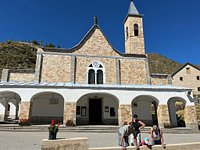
{"x": 171, "y": 27}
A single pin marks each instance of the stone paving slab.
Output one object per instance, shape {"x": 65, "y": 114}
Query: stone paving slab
{"x": 32, "y": 140}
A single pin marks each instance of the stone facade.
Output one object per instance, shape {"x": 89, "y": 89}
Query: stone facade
{"x": 125, "y": 77}
{"x": 163, "y": 116}
{"x": 133, "y": 72}
{"x": 55, "y": 68}
{"x": 21, "y": 76}
{"x": 160, "y": 80}
{"x": 25, "y": 110}
{"x": 190, "y": 117}
{"x": 69, "y": 112}
{"x": 125, "y": 113}
{"x": 65, "y": 144}
{"x": 188, "y": 76}
{"x": 134, "y": 44}
{"x": 96, "y": 45}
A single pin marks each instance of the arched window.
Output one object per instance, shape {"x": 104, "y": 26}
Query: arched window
{"x": 91, "y": 76}
{"x": 99, "y": 77}
{"x": 136, "y": 30}
{"x": 126, "y": 32}
{"x": 95, "y": 73}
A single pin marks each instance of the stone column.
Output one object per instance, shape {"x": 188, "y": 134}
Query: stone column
{"x": 163, "y": 116}
{"x": 69, "y": 112}
{"x": 5, "y": 75}
{"x": 38, "y": 68}
{"x": 73, "y": 69}
{"x": 190, "y": 117}
{"x": 124, "y": 114}
{"x": 24, "y": 110}
{"x": 118, "y": 71}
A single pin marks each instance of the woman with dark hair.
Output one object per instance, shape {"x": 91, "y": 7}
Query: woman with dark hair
{"x": 137, "y": 125}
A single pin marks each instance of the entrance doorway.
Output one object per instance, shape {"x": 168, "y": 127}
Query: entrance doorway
{"x": 95, "y": 111}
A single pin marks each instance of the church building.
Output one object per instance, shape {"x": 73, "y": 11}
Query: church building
{"x": 95, "y": 84}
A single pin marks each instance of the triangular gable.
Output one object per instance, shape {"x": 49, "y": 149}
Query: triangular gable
{"x": 183, "y": 66}
{"x": 95, "y": 43}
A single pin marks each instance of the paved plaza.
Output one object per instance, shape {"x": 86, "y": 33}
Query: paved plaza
{"x": 32, "y": 140}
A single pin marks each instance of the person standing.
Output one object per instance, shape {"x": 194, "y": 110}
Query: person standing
{"x": 137, "y": 125}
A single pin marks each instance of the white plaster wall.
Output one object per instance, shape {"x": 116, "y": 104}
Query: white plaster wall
{"x": 12, "y": 111}
{"x": 143, "y": 110}
{"x": 41, "y": 106}
{"x": 111, "y": 102}
{"x": 2, "y": 111}
{"x": 172, "y": 113}
{"x": 84, "y": 102}
{"x": 124, "y": 96}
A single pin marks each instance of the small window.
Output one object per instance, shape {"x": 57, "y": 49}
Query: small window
{"x": 126, "y": 32}
{"x": 99, "y": 77}
{"x": 198, "y": 77}
{"x": 181, "y": 78}
{"x": 136, "y": 30}
{"x": 91, "y": 77}
{"x": 112, "y": 111}
{"x": 188, "y": 70}
{"x": 198, "y": 88}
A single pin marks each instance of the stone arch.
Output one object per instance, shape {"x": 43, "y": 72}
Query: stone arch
{"x": 10, "y": 100}
{"x": 46, "y": 106}
{"x": 97, "y": 108}
{"x": 145, "y": 106}
{"x": 173, "y": 110}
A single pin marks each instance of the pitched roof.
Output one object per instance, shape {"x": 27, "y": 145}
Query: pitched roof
{"x": 181, "y": 67}
{"x": 132, "y": 9}
{"x": 83, "y": 41}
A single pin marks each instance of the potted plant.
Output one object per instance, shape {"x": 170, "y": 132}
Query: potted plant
{"x": 53, "y": 130}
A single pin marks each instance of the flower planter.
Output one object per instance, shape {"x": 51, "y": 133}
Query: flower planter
{"x": 52, "y": 136}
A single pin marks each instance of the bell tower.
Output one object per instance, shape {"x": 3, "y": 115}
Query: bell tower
{"x": 133, "y": 29}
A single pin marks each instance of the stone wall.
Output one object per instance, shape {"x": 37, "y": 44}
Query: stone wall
{"x": 55, "y": 68}
{"x": 190, "y": 117}
{"x": 163, "y": 116}
{"x": 189, "y": 78}
{"x": 133, "y": 71}
{"x": 125, "y": 114}
{"x": 24, "y": 110}
{"x": 65, "y": 144}
{"x": 21, "y": 76}
{"x": 96, "y": 45}
{"x": 69, "y": 112}
{"x": 108, "y": 63}
{"x": 134, "y": 44}
{"x": 159, "y": 80}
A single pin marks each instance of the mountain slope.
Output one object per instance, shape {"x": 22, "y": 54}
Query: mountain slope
{"x": 160, "y": 64}
{"x": 17, "y": 55}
